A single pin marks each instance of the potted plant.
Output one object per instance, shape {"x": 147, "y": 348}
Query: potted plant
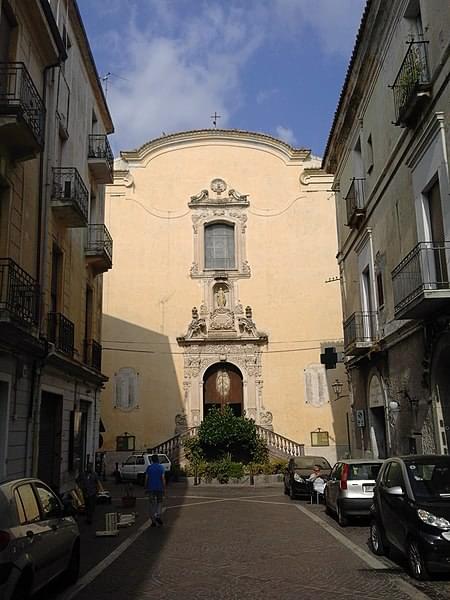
{"x": 129, "y": 497}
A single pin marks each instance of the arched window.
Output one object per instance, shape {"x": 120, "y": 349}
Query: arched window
{"x": 219, "y": 246}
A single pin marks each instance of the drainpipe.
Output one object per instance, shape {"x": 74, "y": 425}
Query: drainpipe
{"x": 42, "y": 234}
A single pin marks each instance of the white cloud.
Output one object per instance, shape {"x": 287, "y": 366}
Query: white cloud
{"x": 286, "y": 135}
{"x": 181, "y": 64}
{"x": 264, "y": 95}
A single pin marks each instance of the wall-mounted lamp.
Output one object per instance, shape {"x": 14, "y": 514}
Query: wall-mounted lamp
{"x": 337, "y": 388}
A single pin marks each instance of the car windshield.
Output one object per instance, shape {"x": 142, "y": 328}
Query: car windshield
{"x": 364, "y": 471}
{"x": 430, "y": 480}
{"x": 308, "y": 462}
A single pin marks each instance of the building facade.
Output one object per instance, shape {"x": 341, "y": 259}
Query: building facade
{"x": 389, "y": 149}
{"x": 224, "y": 241}
{"x": 54, "y": 162}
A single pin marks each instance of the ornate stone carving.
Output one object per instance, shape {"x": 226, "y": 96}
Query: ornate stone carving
{"x": 246, "y": 267}
{"x": 247, "y": 327}
{"x": 194, "y": 268}
{"x": 218, "y": 185}
{"x": 181, "y": 423}
{"x": 201, "y": 196}
{"x": 197, "y": 326}
{"x": 203, "y": 309}
{"x": 237, "y": 197}
{"x": 239, "y": 309}
{"x": 221, "y": 319}
{"x": 265, "y": 418}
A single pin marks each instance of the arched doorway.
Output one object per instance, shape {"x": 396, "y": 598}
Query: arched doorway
{"x": 222, "y": 385}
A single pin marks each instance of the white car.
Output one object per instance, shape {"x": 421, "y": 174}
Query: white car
{"x": 135, "y": 466}
{"x": 38, "y": 540}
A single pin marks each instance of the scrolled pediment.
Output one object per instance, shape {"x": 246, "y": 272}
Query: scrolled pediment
{"x": 218, "y": 196}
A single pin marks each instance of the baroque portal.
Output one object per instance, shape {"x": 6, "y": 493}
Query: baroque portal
{"x": 222, "y": 345}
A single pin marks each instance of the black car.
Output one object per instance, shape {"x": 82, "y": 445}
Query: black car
{"x": 411, "y": 512}
{"x": 298, "y": 471}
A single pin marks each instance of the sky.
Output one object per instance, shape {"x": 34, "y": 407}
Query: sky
{"x": 271, "y": 66}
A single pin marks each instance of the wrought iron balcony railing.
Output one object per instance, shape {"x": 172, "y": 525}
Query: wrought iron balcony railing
{"x": 93, "y": 354}
{"x": 355, "y": 202}
{"x": 360, "y": 331}
{"x": 422, "y": 275}
{"x": 99, "y": 246}
{"x": 19, "y": 96}
{"x": 412, "y": 82}
{"x": 19, "y": 294}
{"x": 70, "y": 196}
{"x": 99, "y": 148}
{"x": 61, "y": 332}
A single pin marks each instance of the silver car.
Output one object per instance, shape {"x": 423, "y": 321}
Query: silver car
{"x": 349, "y": 491}
{"x": 38, "y": 542}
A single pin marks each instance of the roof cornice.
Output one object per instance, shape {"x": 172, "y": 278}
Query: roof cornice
{"x": 199, "y": 136}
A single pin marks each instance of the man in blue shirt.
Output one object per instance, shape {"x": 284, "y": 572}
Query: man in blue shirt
{"x": 155, "y": 486}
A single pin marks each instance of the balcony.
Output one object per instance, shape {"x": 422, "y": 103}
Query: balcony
{"x": 412, "y": 85}
{"x": 22, "y": 113}
{"x": 98, "y": 248}
{"x": 354, "y": 200}
{"x": 360, "y": 332}
{"x": 19, "y": 295}
{"x": 60, "y": 332}
{"x": 421, "y": 282}
{"x": 93, "y": 354}
{"x": 100, "y": 158}
{"x": 69, "y": 197}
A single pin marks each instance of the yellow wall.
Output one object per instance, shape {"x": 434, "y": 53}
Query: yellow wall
{"x": 290, "y": 247}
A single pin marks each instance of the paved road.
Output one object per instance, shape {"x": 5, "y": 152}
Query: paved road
{"x": 241, "y": 544}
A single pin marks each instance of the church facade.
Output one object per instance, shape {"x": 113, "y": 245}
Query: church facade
{"x": 220, "y": 295}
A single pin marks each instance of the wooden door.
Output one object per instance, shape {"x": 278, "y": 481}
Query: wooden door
{"x": 223, "y": 386}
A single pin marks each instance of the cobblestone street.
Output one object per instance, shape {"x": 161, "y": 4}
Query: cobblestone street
{"x": 239, "y": 543}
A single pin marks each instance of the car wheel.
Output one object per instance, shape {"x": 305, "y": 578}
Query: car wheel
{"x": 23, "y": 588}
{"x": 416, "y": 562}
{"x": 341, "y": 516}
{"x": 377, "y": 544}
{"x": 72, "y": 572}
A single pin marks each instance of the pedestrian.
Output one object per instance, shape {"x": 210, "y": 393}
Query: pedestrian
{"x": 155, "y": 486}
{"x": 317, "y": 481}
{"x": 88, "y": 482}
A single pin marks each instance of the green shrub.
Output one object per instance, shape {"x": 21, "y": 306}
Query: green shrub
{"x": 223, "y": 434}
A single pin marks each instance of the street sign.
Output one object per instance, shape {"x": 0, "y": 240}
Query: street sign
{"x": 360, "y": 418}
{"x": 329, "y": 358}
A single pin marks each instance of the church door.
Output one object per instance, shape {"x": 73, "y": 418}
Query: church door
{"x": 222, "y": 385}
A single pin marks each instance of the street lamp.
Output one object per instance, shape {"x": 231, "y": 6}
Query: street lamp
{"x": 337, "y": 388}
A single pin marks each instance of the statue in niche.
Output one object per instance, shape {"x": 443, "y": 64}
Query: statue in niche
{"x": 221, "y": 298}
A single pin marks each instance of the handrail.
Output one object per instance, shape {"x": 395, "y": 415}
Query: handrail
{"x": 18, "y": 93}
{"x": 280, "y": 442}
{"x": 273, "y": 440}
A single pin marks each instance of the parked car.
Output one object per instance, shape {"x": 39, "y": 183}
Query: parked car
{"x": 298, "y": 471}
{"x": 38, "y": 541}
{"x": 349, "y": 490}
{"x": 135, "y": 466}
{"x": 411, "y": 512}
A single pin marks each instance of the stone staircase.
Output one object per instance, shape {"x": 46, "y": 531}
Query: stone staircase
{"x": 278, "y": 445}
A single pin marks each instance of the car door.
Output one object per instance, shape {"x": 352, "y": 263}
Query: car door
{"x": 332, "y": 488}
{"x": 59, "y": 530}
{"x": 128, "y": 468}
{"x": 392, "y": 507}
{"x": 34, "y": 533}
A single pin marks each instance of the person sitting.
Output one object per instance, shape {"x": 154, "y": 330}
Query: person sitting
{"x": 317, "y": 482}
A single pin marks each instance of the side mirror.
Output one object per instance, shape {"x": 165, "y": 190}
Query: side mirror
{"x": 397, "y": 490}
